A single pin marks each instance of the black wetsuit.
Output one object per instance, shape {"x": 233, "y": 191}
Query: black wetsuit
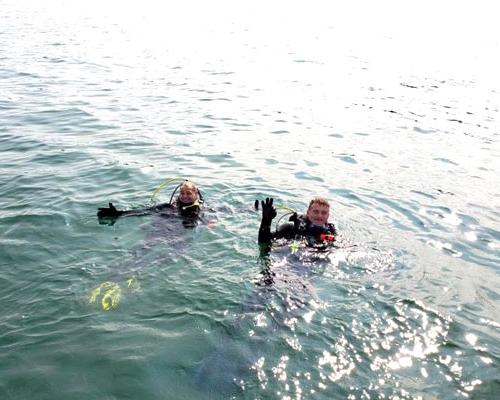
{"x": 190, "y": 213}
{"x": 316, "y": 237}
{"x": 301, "y": 227}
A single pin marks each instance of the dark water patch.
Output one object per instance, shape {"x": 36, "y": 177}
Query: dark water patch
{"x": 200, "y": 126}
{"x": 180, "y": 133}
{"x": 376, "y": 153}
{"x": 302, "y": 175}
{"x": 242, "y": 125}
{"x": 303, "y": 61}
{"x": 10, "y": 73}
{"x": 214, "y": 99}
{"x": 55, "y": 60}
{"x": 427, "y": 195}
{"x": 7, "y": 105}
{"x": 361, "y": 134}
{"x": 20, "y": 144}
{"x": 215, "y": 73}
{"x": 490, "y": 233}
{"x": 346, "y": 158}
{"x": 421, "y": 130}
{"x": 409, "y": 86}
{"x": 415, "y": 114}
{"x": 336, "y": 135}
{"x": 476, "y": 244}
{"x": 59, "y": 117}
{"x": 213, "y": 117}
{"x": 444, "y": 192}
{"x": 445, "y": 160}
{"x": 278, "y": 132}
{"x": 241, "y": 130}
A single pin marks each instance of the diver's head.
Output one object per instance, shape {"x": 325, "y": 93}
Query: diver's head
{"x": 189, "y": 199}
{"x": 318, "y": 211}
{"x": 188, "y": 193}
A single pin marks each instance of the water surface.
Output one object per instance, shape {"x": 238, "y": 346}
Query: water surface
{"x": 393, "y": 116}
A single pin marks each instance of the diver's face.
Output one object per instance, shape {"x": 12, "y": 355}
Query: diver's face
{"x": 318, "y": 214}
{"x": 188, "y": 194}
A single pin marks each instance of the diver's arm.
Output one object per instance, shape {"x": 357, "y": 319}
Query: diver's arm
{"x": 265, "y": 235}
{"x": 112, "y": 212}
{"x": 268, "y": 214}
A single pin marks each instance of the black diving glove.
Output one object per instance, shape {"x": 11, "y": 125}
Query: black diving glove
{"x": 295, "y": 219}
{"x": 268, "y": 211}
{"x": 109, "y": 212}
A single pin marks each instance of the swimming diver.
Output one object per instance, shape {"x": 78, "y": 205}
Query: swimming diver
{"x": 313, "y": 226}
{"x": 282, "y": 296}
{"x": 188, "y": 204}
{"x": 186, "y": 207}
{"x": 310, "y": 231}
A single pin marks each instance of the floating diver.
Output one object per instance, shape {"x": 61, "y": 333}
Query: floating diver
{"x": 188, "y": 204}
{"x": 312, "y": 232}
{"x": 283, "y": 296}
{"x": 186, "y": 207}
{"x": 313, "y": 227}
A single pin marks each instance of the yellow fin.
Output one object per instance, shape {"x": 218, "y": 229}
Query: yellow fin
{"x": 111, "y": 295}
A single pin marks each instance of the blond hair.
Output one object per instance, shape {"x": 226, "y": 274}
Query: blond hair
{"x": 320, "y": 201}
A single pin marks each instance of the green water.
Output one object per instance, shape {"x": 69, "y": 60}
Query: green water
{"x": 102, "y": 103}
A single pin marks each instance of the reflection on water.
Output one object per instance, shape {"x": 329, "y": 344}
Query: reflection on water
{"x": 305, "y": 348}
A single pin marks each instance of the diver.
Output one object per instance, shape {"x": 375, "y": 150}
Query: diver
{"x": 186, "y": 208}
{"x": 313, "y": 227}
{"x": 188, "y": 204}
{"x": 311, "y": 231}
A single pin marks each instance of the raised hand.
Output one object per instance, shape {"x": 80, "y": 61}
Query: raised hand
{"x": 268, "y": 211}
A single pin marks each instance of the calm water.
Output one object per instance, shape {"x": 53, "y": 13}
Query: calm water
{"x": 391, "y": 112}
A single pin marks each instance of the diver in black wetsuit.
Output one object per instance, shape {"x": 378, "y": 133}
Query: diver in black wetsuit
{"x": 186, "y": 208}
{"x": 188, "y": 204}
{"x": 313, "y": 226}
{"x": 312, "y": 229}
